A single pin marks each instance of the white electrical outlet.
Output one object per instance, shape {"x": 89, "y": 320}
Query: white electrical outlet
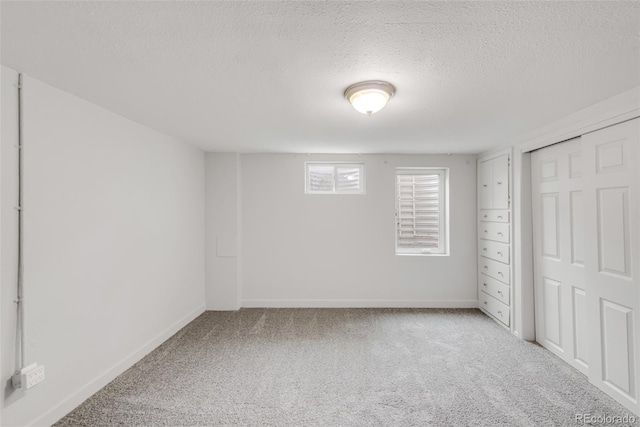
{"x": 28, "y": 377}
{"x": 35, "y": 376}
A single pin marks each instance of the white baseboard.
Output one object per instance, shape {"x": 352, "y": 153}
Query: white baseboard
{"x": 71, "y": 402}
{"x": 347, "y": 303}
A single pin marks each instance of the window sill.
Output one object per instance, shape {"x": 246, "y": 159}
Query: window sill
{"x": 401, "y": 254}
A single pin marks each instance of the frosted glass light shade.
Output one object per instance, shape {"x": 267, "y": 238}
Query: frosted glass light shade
{"x": 369, "y": 97}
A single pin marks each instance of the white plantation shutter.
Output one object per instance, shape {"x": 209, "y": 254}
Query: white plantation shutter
{"x": 420, "y": 211}
{"x": 348, "y": 179}
{"x": 334, "y": 178}
{"x": 321, "y": 178}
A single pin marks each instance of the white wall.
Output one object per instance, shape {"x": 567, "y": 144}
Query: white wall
{"x": 114, "y": 245}
{"x": 8, "y": 224}
{"x": 338, "y": 250}
{"x": 222, "y": 204}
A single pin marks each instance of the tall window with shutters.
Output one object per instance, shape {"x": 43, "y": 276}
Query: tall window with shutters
{"x": 421, "y": 211}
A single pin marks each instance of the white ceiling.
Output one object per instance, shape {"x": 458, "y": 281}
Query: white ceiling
{"x": 269, "y": 76}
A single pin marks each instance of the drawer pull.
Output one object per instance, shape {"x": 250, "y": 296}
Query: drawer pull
{"x": 485, "y": 303}
{"x": 500, "y": 292}
{"x": 484, "y": 284}
{"x": 500, "y": 253}
{"x": 500, "y": 313}
{"x": 484, "y": 249}
{"x": 499, "y": 182}
{"x": 484, "y": 185}
{"x": 485, "y": 216}
{"x": 500, "y": 273}
{"x": 485, "y": 231}
{"x": 499, "y": 233}
{"x": 485, "y": 267}
{"x": 499, "y": 216}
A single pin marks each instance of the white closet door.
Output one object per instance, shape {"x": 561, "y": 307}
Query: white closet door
{"x": 500, "y": 182}
{"x": 612, "y": 258}
{"x": 561, "y": 306}
{"x": 485, "y": 184}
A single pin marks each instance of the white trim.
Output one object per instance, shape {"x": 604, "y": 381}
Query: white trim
{"x": 617, "y": 109}
{"x": 239, "y": 229}
{"x": 443, "y": 214}
{"x": 494, "y": 154}
{"x": 352, "y": 303}
{"x": 611, "y": 111}
{"x": 69, "y": 403}
{"x": 523, "y": 294}
{"x": 422, "y": 254}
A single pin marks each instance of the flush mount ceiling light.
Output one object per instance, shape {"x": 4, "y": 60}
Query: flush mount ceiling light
{"x": 369, "y": 97}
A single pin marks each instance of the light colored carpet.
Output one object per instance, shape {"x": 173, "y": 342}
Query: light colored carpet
{"x": 345, "y": 367}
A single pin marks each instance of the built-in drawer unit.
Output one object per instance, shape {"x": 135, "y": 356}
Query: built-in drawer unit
{"x": 495, "y": 231}
{"x": 494, "y": 250}
{"x": 495, "y": 279}
{"x": 495, "y": 269}
{"x": 494, "y": 215}
{"x": 495, "y": 308}
{"x": 496, "y": 289}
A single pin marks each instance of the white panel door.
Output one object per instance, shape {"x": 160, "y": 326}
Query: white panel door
{"x": 612, "y": 258}
{"x": 561, "y": 310}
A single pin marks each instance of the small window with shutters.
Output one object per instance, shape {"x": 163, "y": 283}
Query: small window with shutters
{"x": 334, "y": 178}
{"x": 421, "y": 211}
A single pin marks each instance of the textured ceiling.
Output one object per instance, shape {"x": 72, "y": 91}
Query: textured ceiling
{"x": 269, "y": 76}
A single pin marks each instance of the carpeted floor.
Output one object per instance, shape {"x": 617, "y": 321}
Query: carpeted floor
{"x": 345, "y": 367}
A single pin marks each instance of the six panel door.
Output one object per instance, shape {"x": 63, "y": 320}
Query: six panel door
{"x": 612, "y": 258}
{"x": 560, "y": 293}
{"x": 585, "y": 202}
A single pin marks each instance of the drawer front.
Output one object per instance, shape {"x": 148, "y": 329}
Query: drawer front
{"x": 495, "y": 250}
{"x": 495, "y": 308}
{"x": 494, "y": 215}
{"x": 494, "y": 231}
{"x": 495, "y": 269}
{"x": 496, "y": 289}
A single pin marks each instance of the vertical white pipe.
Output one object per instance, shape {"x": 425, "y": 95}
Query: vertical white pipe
{"x": 20, "y": 302}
